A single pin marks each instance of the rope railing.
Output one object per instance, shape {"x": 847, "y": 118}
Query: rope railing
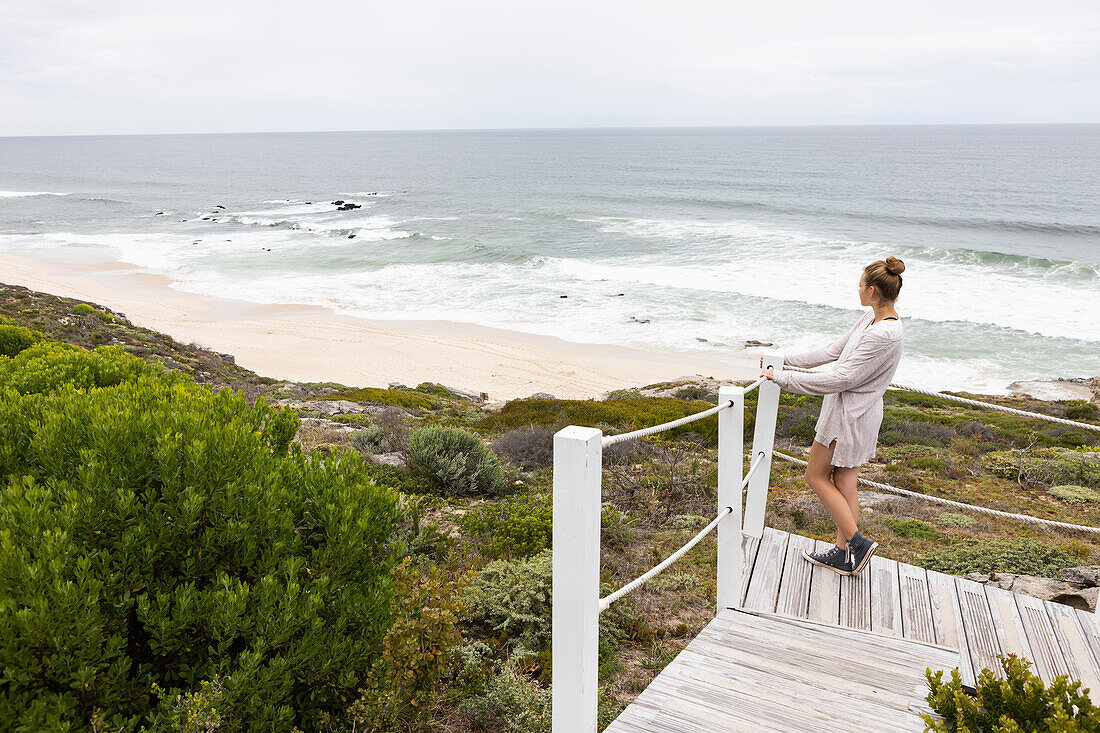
{"x": 956, "y": 504}
{"x": 965, "y": 401}
{"x": 622, "y": 437}
{"x": 644, "y": 578}
{"x": 755, "y": 384}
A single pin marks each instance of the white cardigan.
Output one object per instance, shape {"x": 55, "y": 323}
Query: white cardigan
{"x": 851, "y": 413}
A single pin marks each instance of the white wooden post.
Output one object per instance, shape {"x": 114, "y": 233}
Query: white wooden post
{"x": 578, "y": 465}
{"x": 731, "y": 449}
{"x": 763, "y": 440}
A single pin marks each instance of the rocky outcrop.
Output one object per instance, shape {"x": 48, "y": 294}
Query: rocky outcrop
{"x": 1080, "y": 595}
{"x": 331, "y": 408}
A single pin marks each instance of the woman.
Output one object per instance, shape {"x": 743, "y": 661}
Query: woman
{"x": 851, "y": 413}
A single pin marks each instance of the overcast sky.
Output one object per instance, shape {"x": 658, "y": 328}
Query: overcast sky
{"x": 122, "y": 66}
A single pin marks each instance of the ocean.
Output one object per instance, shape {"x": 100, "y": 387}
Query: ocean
{"x": 689, "y": 240}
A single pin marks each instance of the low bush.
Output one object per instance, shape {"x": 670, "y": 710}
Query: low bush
{"x": 614, "y": 415}
{"x": 408, "y": 399}
{"x": 1016, "y": 702}
{"x": 83, "y": 309}
{"x": 511, "y": 703}
{"x": 1075, "y": 494}
{"x": 515, "y": 528}
{"x": 1023, "y": 555}
{"x": 696, "y": 393}
{"x": 404, "y": 682}
{"x": 508, "y": 604}
{"x": 955, "y": 519}
{"x": 165, "y": 545}
{"x": 371, "y": 439}
{"x": 14, "y": 339}
{"x": 910, "y": 528}
{"x": 928, "y": 463}
{"x": 528, "y": 448}
{"x": 455, "y": 462}
{"x": 1045, "y": 466}
{"x": 1081, "y": 410}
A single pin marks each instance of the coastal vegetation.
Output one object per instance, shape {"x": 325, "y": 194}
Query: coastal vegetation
{"x": 185, "y": 545}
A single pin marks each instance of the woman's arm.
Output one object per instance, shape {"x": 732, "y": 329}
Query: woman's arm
{"x": 865, "y": 361}
{"x": 811, "y": 358}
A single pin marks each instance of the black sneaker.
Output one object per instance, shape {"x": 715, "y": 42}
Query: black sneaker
{"x": 859, "y": 553}
{"x": 835, "y": 559}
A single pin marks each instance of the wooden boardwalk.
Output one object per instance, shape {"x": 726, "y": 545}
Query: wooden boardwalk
{"x": 796, "y": 617}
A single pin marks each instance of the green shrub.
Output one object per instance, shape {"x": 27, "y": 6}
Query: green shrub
{"x": 1045, "y": 466}
{"x": 910, "y": 528}
{"x": 511, "y": 703}
{"x": 696, "y": 393}
{"x": 955, "y": 519}
{"x": 410, "y": 400}
{"x": 1075, "y": 494}
{"x": 83, "y": 309}
{"x": 371, "y": 439}
{"x": 455, "y": 462}
{"x": 623, "y": 394}
{"x": 514, "y": 528}
{"x": 509, "y": 602}
{"x": 615, "y": 415}
{"x": 1080, "y": 410}
{"x": 509, "y": 605}
{"x": 14, "y": 339}
{"x": 51, "y": 365}
{"x": 1023, "y": 555}
{"x": 155, "y": 533}
{"x": 528, "y": 448}
{"x": 403, "y": 682}
{"x": 1018, "y": 702}
{"x": 927, "y": 463}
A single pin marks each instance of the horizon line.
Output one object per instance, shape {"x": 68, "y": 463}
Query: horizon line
{"x": 594, "y": 128}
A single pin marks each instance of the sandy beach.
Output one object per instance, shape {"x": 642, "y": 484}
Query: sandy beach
{"x": 314, "y": 344}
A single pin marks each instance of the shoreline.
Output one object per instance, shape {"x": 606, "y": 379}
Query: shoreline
{"x": 307, "y": 343}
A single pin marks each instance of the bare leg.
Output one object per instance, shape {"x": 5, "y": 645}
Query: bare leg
{"x": 818, "y": 476}
{"x": 845, "y": 481}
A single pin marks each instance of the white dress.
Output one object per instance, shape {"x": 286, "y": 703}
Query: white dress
{"x": 851, "y": 412}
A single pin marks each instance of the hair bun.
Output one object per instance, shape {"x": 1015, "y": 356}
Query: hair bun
{"x": 894, "y": 266}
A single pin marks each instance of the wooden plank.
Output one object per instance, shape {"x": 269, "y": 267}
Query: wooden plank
{"x": 916, "y": 606}
{"x": 885, "y": 597}
{"x": 766, "y": 576}
{"x": 1090, "y": 631}
{"x": 1008, "y": 625}
{"x": 948, "y": 621}
{"x": 749, "y": 546}
{"x": 761, "y": 673}
{"x": 824, "y": 603}
{"x": 1048, "y": 658}
{"x": 1072, "y": 641}
{"x": 794, "y": 589}
{"x": 977, "y": 623}
{"x": 855, "y": 600}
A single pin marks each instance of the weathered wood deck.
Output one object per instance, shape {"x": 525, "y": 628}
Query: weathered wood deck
{"x": 778, "y": 662}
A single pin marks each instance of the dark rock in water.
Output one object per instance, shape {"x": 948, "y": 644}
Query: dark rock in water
{"x": 348, "y": 207}
{"x": 702, "y": 341}
{"x": 754, "y": 342}
{"x": 206, "y": 218}
{"x": 635, "y": 319}
{"x": 159, "y": 213}
{"x": 351, "y": 236}
{"x": 563, "y": 296}
{"x": 339, "y": 202}
{"x": 219, "y": 206}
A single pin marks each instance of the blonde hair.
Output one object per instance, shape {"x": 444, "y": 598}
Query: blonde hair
{"x": 885, "y": 276}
